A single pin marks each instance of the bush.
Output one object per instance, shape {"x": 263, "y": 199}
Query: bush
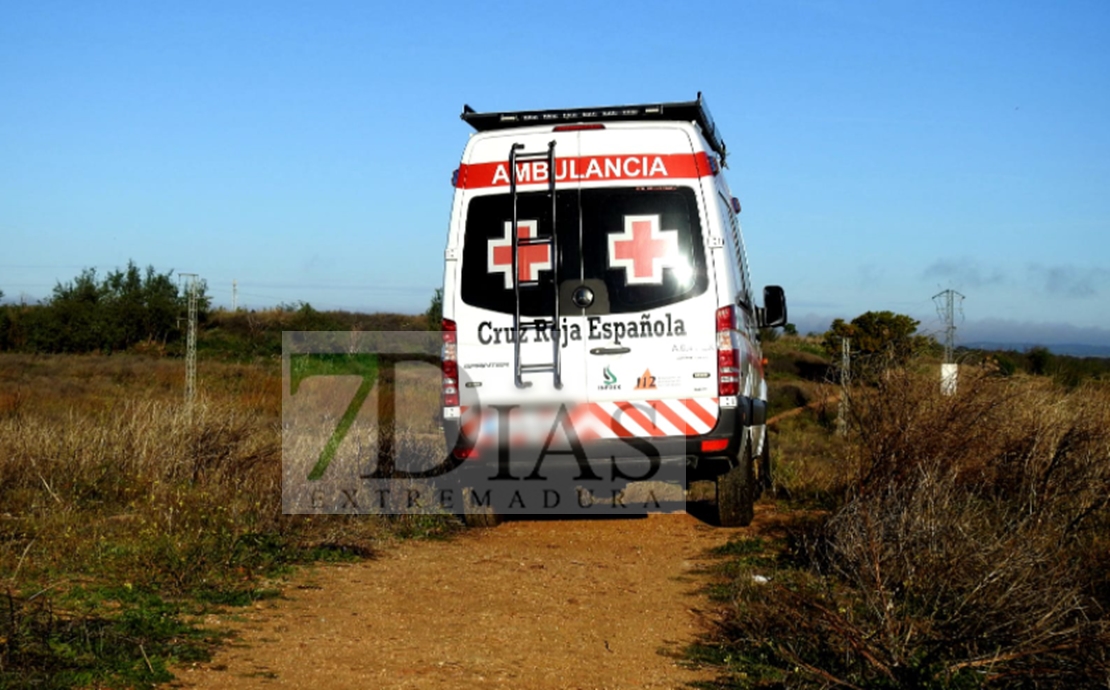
{"x": 969, "y": 547}
{"x": 108, "y": 314}
{"x": 434, "y": 314}
{"x": 253, "y": 334}
{"x": 892, "y": 336}
{"x": 145, "y": 312}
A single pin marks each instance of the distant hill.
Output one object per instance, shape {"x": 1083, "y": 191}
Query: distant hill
{"x": 1070, "y": 349}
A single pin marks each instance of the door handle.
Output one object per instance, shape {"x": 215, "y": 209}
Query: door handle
{"x": 610, "y": 350}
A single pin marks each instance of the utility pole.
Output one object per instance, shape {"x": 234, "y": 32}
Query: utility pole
{"x": 845, "y": 380}
{"x": 234, "y": 295}
{"x": 946, "y": 309}
{"x": 191, "y": 342}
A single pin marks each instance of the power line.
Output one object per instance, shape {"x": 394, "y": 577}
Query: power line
{"x": 349, "y": 287}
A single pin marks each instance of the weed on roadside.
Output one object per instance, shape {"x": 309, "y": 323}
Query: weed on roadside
{"x": 124, "y": 519}
{"x": 73, "y": 641}
{"x": 966, "y": 548}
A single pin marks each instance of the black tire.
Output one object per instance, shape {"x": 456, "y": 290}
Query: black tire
{"x": 736, "y": 491}
{"x": 474, "y": 515}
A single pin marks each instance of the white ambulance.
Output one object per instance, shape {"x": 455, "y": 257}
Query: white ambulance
{"x": 596, "y": 297}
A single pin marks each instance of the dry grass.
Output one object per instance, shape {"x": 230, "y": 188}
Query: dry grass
{"x": 411, "y": 400}
{"x": 808, "y": 458}
{"x": 968, "y": 547}
{"x": 116, "y": 500}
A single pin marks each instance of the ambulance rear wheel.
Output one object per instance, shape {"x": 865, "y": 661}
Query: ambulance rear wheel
{"x": 736, "y": 491}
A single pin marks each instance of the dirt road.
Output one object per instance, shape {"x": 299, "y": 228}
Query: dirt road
{"x": 528, "y": 604}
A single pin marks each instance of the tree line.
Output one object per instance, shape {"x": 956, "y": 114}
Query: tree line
{"x": 130, "y": 307}
{"x": 146, "y": 310}
{"x": 106, "y": 313}
{"x": 881, "y": 339}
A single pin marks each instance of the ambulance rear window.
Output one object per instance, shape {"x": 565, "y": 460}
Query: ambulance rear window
{"x": 486, "y": 260}
{"x": 644, "y": 244}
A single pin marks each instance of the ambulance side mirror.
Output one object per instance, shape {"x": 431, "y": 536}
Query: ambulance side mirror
{"x": 773, "y": 313}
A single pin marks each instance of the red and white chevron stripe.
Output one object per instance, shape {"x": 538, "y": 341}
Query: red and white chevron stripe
{"x": 600, "y": 420}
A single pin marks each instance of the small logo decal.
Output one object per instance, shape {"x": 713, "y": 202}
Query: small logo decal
{"x": 610, "y": 383}
{"x": 646, "y": 381}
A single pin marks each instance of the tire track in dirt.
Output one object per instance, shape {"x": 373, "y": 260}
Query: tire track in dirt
{"x": 528, "y": 604}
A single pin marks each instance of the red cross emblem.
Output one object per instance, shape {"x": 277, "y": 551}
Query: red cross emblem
{"x": 530, "y": 260}
{"x": 642, "y": 250}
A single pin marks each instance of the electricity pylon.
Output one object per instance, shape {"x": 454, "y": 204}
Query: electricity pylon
{"x": 946, "y": 302}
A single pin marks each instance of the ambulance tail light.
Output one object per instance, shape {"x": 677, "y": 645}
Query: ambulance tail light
{"x": 714, "y": 445}
{"x": 728, "y": 354}
{"x": 577, "y": 128}
{"x": 450, "y": 358}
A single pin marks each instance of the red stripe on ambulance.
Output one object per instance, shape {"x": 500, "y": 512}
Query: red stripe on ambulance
{"x": 703, "y": 414}
{"x": 587, "y": 169}
{"x": 601, "y": 420}
{"x": 671, "y": 416}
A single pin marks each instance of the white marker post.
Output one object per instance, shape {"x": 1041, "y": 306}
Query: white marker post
{"x": 948, "y": 376}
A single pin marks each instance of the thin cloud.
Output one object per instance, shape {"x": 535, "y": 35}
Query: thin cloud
{"x": 869, "y": 274}
{"x": 1068, "y": 280}
{"x": 964, "y": 273}
{"x": 990, "y": 330}
{"x": 1013, "y": 331}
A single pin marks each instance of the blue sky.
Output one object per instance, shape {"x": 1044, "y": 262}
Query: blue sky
{"x": 882, "y": 151}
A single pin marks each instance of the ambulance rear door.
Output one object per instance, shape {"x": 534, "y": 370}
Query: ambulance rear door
{"x": 486, "y": 303}
{"x": 650, "y": 332}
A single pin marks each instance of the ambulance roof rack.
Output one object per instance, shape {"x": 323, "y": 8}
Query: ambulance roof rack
{"x": 690, "y": 111}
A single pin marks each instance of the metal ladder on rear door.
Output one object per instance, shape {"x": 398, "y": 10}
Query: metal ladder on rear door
{"x": 555, "y": 366}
